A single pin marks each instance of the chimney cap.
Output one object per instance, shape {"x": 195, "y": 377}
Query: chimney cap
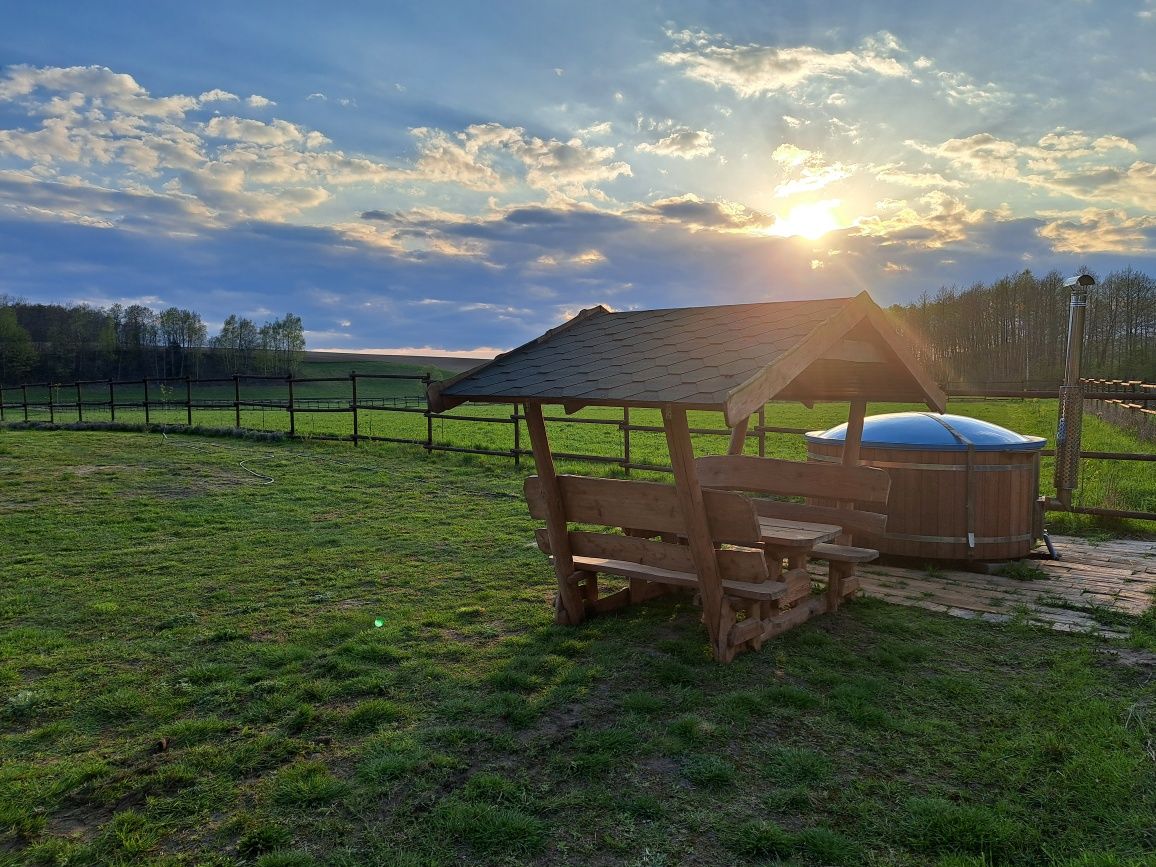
{"x": 1081, "y": 280}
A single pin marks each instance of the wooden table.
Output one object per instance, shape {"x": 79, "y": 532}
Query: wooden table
{"x": 784, "y": 539}
{"x": 781, "y": 533}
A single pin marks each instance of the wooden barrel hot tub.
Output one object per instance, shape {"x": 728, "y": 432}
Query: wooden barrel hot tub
{"x": 961, "y": 488}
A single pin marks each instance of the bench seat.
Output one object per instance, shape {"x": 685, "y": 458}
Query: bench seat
{"x": 764, "y": 591}
{"x": 843, "y": 553}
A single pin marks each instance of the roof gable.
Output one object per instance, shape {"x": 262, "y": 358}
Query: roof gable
{"x": 732, "y": 358}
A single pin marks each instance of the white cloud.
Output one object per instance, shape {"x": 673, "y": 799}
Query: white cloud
{"x": 935, "y": 220}
{"x": 683, "y": 142}
{"x": 1094, "y": 230}
{"x": 102, "y": 129}
{"x": 117, "y": 91}
{"x": 896, "y": 175}
{"x": 812, "y": 172}
{"x": 790, "y": 155}
{"x": 1063, "y": 162}
{"x": 491, "y": 156}
{"x": 755, "y": 70}
{"x": 276, "y": 132}
{"x": 258, "y": 101}
{"x": 218, "y": 95}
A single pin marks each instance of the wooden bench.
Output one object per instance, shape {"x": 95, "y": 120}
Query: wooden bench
{"x": 852, "y": 490}
{"x": 644, "y": 547}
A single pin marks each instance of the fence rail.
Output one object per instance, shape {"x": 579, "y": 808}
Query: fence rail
{"x": 187, "y": 397}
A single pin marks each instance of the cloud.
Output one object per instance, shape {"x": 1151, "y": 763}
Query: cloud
{"x": 810, "y": 170}
{"x": 683, "y": 142}
{"x": 1094, "y": 230}
{"x": 112, "y": 135}
{"x": 934, "y": 221}
{"x": 694, "y": 213}
{"x": 258, "y": 101}
{"x": 217, "y": 95}
{"x": 276, "y": 132}
{"x": 1064, "y": 162}
{"x": 490, "y": 156}
{"x": 896, "y": 175}
{"x": 755, "y": 70}
{"x": 107, "y": 89}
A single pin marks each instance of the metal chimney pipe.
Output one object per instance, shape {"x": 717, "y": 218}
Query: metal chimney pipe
{"x": 1067, "y": 473}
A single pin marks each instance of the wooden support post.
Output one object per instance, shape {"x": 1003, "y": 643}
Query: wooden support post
{"x": 428, "y": 416}
{"x": 353, "y": 403}
{"x": 739, "y": 437}
{"x": 188, "y": 401}
{"x": 51, "y": 408}
{"x": 836, "y": 573}
{"x": 79, "y": 403}
{"x": 569, "y": 608}
{"x": 697, "y": 529}
{"x": 111, "y": 402}
{"x": 517, "y": 437}
{"x": 24, "y": 395}
{"x": 854, "y": 437}
{"x": 762, "y": 432}
{"x": 292, "y": 416}
{"x": 237, "y": 399}
{"x": 145, "y": 383}
{"x": 626, "y": 439}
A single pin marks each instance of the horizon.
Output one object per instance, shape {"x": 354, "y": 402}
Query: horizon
{"x": 439, "y": 180}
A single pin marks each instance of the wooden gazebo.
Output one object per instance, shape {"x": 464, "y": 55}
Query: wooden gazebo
{"x": 731, "y": 359}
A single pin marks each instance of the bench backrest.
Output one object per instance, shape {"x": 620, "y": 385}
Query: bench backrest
{"x": 864, "y": 486}
{"x": 651, "y": 509}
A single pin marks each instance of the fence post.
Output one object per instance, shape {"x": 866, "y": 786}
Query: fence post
{"x": 353, "y": 383}
{"x": 292, "y": 418}
{"x": 79, "y": 404}
{"x": 626, "y": 439}
{"x": 146, "y": 398}
{"x": 51, "y": 408}
{"x": 189, "y": 401}
{"x": 111, "y": 402}
{"x": 762, "y": 431}
{"x": 237, "y": 401}
{"x": 24, "y": 394}
{"x": 517, "y": 437}
{"x": 1, "y": 402}
{"x": 425, "y": 377}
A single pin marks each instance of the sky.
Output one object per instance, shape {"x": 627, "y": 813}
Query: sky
{"x": 459, "y": 177}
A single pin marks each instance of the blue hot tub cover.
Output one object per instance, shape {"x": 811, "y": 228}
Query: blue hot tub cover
{"x": 930, "y": 431}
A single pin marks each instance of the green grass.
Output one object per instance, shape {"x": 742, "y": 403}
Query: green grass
{"x": 190, "y": 673}
{"x": 1112, "y": 484}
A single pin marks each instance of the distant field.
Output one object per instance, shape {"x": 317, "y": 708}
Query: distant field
{"x": 393, "y": 410}
{"x": 356, "y": 360}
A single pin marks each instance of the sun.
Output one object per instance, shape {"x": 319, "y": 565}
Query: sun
{"x": 811, "y": 221}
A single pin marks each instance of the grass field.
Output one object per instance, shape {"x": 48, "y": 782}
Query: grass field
{"x": 1112, "y": 484}
{"x": 323, "y": 656}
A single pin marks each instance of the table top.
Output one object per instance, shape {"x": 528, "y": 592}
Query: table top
{"x": 796, "y": 534}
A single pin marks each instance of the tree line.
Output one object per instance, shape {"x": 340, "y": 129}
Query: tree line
{"x": 59, "y": 343}
{"x": 1015, "y": 330}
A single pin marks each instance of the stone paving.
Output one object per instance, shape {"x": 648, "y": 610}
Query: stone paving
{"x": 1085, "y": 591}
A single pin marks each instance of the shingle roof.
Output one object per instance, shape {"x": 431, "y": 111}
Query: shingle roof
{"x": 693, "y": 356}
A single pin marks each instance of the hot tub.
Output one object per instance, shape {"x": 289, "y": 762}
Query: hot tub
{"x": 961, "y": 488}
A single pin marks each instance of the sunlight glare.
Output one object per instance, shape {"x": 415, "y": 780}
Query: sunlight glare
{"x": 811, "y": 221}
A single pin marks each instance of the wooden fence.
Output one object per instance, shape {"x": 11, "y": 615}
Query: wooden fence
{"x": 185, "y": 395}
{"x": 1135, "y": 413}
